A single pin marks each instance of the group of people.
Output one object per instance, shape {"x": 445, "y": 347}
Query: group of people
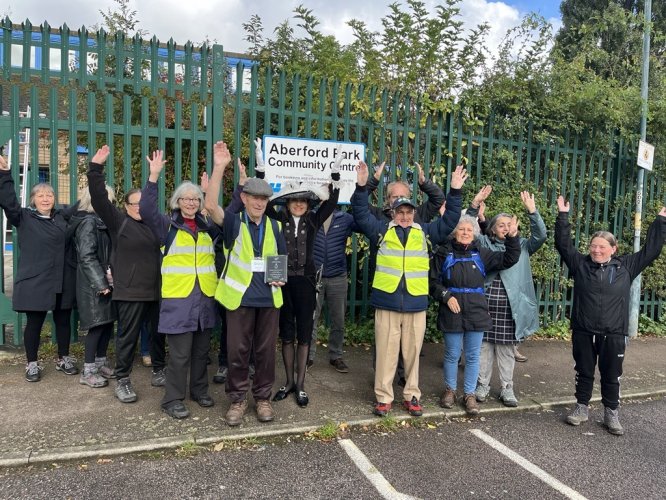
{"x": 179, "y": 276}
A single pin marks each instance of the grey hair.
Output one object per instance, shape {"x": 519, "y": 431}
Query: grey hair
{"x": 393, "y": 184}
{"x": 467, "y": 219}
{"x": 42, "y": 186}
{"x": 605, "y": 235}
{"x": 85, "y": 202}
{"x": 182, "y": 189}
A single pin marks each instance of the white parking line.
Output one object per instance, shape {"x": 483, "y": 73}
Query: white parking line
{"x": 385, "y": 489}
{"x": 528, "y": 466}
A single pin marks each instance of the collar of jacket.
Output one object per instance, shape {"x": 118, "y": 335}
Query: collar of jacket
{"x": 414, "y": 224}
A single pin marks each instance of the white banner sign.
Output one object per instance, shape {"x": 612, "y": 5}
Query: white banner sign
{"x": 645, "y": 155}
{"x": 309, "y": 160}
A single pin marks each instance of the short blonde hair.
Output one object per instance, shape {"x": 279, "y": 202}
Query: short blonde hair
{"x": 42, "y": 186}
{"x": 85, "y": 202}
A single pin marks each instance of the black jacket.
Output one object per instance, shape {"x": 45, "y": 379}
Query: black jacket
{"x": 135, "y": 256}
{"x": 473, "y": 315}
{"x": 93, "y": 249}
{"x": 43, "y": 242}
{"x": 601, "y": 291}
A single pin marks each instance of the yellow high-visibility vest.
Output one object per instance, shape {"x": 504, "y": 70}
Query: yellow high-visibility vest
{"x": 186, "y": 261}
{"x": 395, "y": 261}
{"x": 238, "y": 273}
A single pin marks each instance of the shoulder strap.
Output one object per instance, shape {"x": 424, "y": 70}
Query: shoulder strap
{"x": 171, "y": 236}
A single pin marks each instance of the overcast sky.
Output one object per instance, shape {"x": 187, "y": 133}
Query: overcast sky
{"x": 221, "y": 20}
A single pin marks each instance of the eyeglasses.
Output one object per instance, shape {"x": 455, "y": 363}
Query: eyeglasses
{"x": 194, "y": 201}
{"x": 132, "y": 204}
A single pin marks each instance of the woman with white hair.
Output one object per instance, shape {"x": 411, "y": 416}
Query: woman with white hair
{"x": 43, "y": 281}
{"x": 189, "y": 280}
{"x": 457, "y": 274}
{"x": 94, "y": 287}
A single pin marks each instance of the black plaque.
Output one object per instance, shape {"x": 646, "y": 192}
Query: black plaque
{"x": 276, "y": 268}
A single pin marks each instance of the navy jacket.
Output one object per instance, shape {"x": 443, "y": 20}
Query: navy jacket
{"x": 330, "y": 248}
{"x": 437, "y": 231}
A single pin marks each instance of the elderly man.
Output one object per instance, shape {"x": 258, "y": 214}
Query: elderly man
{"x": 400, "y": 286}
{"x": 253, "y": 306}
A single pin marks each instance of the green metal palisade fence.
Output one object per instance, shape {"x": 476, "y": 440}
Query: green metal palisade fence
{"x": 88, "y": 89}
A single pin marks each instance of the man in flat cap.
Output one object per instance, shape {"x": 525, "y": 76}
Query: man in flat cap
{"x": 253, "y": 306}
{"x": 400, "y": 285}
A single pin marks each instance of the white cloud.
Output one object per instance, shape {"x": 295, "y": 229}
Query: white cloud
{"x": 222, "y": 20}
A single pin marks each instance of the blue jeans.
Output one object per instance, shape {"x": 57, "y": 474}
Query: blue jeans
{"x": 454, "y": 344}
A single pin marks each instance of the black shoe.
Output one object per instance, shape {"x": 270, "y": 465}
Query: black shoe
{"x": 221, "y": 376}
{"x": 177, "y": 410}
{"x": 283, "y": 392}
{"x": 302, "y": 399}
{"x": 204, "y": 401}
{"x": 309, "y": 364}
{"x": 340, "y": 365}
{"x": 402, "y": 382}
{"x": 158, "y": 378}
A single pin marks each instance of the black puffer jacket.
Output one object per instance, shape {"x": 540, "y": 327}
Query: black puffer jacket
{"x": 93, "y": 248}
{"x": 601, "y": 291}
{"x": 473, "y": 315}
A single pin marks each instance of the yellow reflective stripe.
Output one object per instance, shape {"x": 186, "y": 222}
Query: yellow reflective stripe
{"x": 207, "y": 249}
{"x": 205, "y": 269}
{"x": 416, "y": 274}
{"x": 234, "y": 284}
{"x": 233, "y": 259}
{"x": 178, "y": 250}
{"x": 177, "y": 270}
{"x": 388, "y": 270}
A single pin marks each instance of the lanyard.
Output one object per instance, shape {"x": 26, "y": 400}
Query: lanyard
{"x": 257, "y": 251}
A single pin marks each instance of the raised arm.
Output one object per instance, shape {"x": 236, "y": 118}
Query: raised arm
{"x": 8, "y": 200}
{"x": 654, "y": 242}
{"x": 537, "y": 226}
{"x": 373, "y": 181}
{"x": 428, "y": 210}
{"x": 148, "y": 203}
{"x": 563, "y": 243}
{"x": 99, "y": 198}
{"x": 441, "y": 227}
{"x": 328, "y": 206}
{"x": 367, "y": 223}
{"x": 221, "y": 158}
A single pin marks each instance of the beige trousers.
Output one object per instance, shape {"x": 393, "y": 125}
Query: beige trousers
{"x": 395, "y": 331}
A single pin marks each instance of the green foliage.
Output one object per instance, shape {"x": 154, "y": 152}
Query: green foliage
{"x": 326, "y": 432}
{"x": 555, "y": 330}
{"x": 648, "y": 326}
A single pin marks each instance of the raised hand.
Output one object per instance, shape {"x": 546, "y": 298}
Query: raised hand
{"x": 156, "y": 164}
{"x": 203, "y": 184}
{"x": 379, "y": 171}
{"x": 513, "y": 226}
{"x": 458, "y": 177}
{"x": 422, "y": 177}
{"x": 259, "y": 156}
{"x": 481, "y": 196}
{"x": 482, "y": 211}
{"x": 101, "y": 155}
{"x": 3, "y": 163}
{"x": 362, "y": 173}
{"x": 242, "y": 173}
{"x": 562, "y": 205}
{"x": 528, "y": 201}
{"x": 335, "y": 168}
{"x": 221, "y": 155}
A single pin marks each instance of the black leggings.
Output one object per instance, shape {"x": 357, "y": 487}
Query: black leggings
{"x": 97, "y": 342}
{"x": 33, "y": 329}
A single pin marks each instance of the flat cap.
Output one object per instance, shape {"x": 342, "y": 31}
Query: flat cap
{"x": 257, "y": 187}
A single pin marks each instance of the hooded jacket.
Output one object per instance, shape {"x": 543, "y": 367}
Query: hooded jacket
{"x": 601, "y": 291}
